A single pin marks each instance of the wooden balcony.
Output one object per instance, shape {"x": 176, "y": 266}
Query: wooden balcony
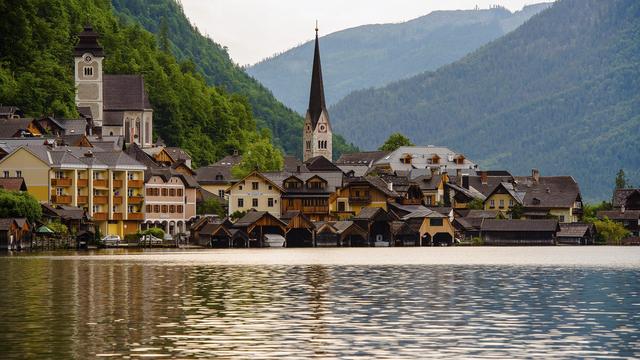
{"x": 83, "y": 182}
{"x": 100, "y": 200}
{"x": 315, "y": 209}
{"x": 135, "y": 183}
{"x": 135, "y": 216}
{"x": 100, "y": 216}
{"x": 135, "y": 200}
{"x": 61, "y": 182}
{"x": 117, "y": 200}
{"x": 116, "y": 216}
{"x": 61, "y": 199}
{"x": 83, "y": 199}
{"x": 100, "y": 183}
{"x": 117, "y": 183}
{"x": 411, "y": 201}
{"x": 359, "y": 199}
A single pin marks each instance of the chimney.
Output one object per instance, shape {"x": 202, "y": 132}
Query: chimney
{"x": 298, "y": 168}
{"x": 390, "y": 186}
{"x": 459, "y": 177}
{"x": 484, "y": 178}
{"x": 535, "y": 175}
{"x": 622, "y": 209}
{"x": 465, "y": 181}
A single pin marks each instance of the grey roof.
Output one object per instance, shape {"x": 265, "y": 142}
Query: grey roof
{"x": 292, "y": 164}
{"x": 365, "y": 158}
{"x": 620, "y": 196}
{"x": 85, "y": 111}
{"x": 549, "y": 191}
{"x": 177, "y": 153}
{"x": 229, "y": 160}
{"x": 369, "y": 213}
{"x": 428, "y": 182}
{"x": 9, "y": 127}
{"x": 333, "y": 179}
{"x": 125, "y": 92}
{"x": 252, "y": 216}
{"x": 546, "y": 225}
{"x": 358, "y": 170}
{"x": 487, "y": 214}
{"x": 486, "y": 188}
{"x": 13, "y": 184}
{"x": 65, "y": 212}
{"x": 619, "y": 215}
{"x": 106, "y": 142}
{"x": 575, "y": 229}
{"x": 517, "y": 193}
{"x": 342, "y": 226}
{"x": 321, "y": 164}
{"x": 215, "y": 174}
{"x": 421, "y": 156}
{"x": 421, "y": 214}
{"x": 5, "y": 223}
{"x": 402, "y": 228}
{"x": 113, "y": 118}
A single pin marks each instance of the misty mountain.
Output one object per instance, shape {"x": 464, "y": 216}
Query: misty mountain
{"x": 375, "y": 55}
{"x": 561, "y": 93}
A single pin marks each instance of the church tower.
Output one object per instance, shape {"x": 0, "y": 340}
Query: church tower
{"x": 88, "y": 57}
{"x": 317, "y": 134}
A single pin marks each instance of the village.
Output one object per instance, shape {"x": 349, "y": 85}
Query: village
{"x": 102, "y": 180}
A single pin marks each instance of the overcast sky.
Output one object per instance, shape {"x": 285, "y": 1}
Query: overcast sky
{"x": 255, "y": 29}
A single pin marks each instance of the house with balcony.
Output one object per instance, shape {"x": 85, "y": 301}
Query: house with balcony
{"x": 102, "y": 182}
{"x": 357, "y": 193}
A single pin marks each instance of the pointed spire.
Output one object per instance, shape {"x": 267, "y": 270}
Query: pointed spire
{"x": 316, "y": 96}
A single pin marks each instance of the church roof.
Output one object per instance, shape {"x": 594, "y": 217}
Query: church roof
{"x": 125, "y": 92}
{"x": 316, "y": 95}
{"x": 88, "y": 43}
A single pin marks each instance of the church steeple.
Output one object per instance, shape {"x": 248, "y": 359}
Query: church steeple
{"x": 317, "y": 137}
{"x": 316, "y": 95}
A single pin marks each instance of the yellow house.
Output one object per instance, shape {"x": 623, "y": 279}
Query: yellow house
{"x": 434, "y": 228}
{"x": 255, "y": 192}
{"x": 358, "y": 193}
{"x": 109, "y": 185}
{"x": 503, "y": 198}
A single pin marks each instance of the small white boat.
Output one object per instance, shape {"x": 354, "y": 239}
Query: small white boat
{"x": 381, "y": 244}
{"x": 274, "y": 240}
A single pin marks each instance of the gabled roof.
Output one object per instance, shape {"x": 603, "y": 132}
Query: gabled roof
{"x": 619, "y": 215}
{"x": 575, "y": 229}
{"x": 5, "y": 223}
{"x": 321, "y": 163}
{"x": 124, "y": 92}
{"x": 177, "y": 153}
{"x": 365, "y": 158}
{"x": 13, "y": 184}
{"x": 402, "y": 228}
{"x": 263, "y": 176}
{"x": 74, "y": 126}
{"x": 347, "y": 225}
{"x": 549, "y": 191}
{"x": 12, "y": 127}
{"x": 546, "y": 225}
{"x": 214, "y": 174}
{"x": 229, "y": 160}
{"x": 509, "y": 188}
{"x": 333, "y": 179}
{"x": 420, "y": 157}
{"x": 251, "y": 217}
{"x": 372, "y": 213}
{"x": 620, "y": 196}
{"x": 64, "y": 212}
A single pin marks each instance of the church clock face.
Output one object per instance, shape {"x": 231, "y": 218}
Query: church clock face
{"x": 322, "y": 128}
{"x": 87, "y": 58}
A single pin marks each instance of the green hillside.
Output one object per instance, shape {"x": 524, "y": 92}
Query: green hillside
{"x": 185, "y": 41}
{"x": 561, "y": 93}
{"x": 375, "y": 55}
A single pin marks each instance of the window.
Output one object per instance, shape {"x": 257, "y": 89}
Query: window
{"x": 172, "y": 192}
{"x": 240, "y": 203}
{"x": 165, "y": 192}
{"x": 510, "y": 202}
{"x": 149, "y": 191}
{"x": 308, "y": 144}
{"x": 18, "y": 173}
{"x": 156, "y": 208}
{"x": 115, "y": 208}
{"x": 179, "y": 192}
{"x": 492, "y": 203}
{"x": 501, "y": 204}
{"x": 131, "y": 176}
{"x": 130, "y": 208}
{"x": 435, "y": 222}
{"x": 240, "y": 187}
{"x": 6, "y": 174}
{"x": 129, "y": 192}
{"x": 96, "y": 208}
{"x": 219, "y": 177}
{"x": 164, "y": 209}
{"x": 254, "y": 185}
{"x": 221, "y": 193}
{"x": 172, "y": 209}
{"x": 156, "y": 192}
{"x": 88, "y": 71}
{"x": 254, "y": 202}
{"x": 427, "y": 200}
{"x": 290, "y": 202}
{"x": 561, "y": 218}
{"x": 341, "y": 206}
{"x": 270, "y": 187}
{"x": 149, "y": 208}
{"x": 59, "y": 175}
{"x": 270, "y": 202}
{"x": 59, "y": 191}
{"x": 180, "y": 208}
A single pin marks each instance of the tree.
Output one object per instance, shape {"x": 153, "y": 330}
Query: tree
{"x": 621, "y": 180}
{"x": 13, "y": 204}
{"x": 211, "y": 206}
{"x": 590, "y": 211}
{"x": 475, "y": 204}
{"x": 394, "y": 141}
{"x": 58, "y": 228}
{"x": 610, "y": 231}
{"x": 261, "y": 155}
{"x": 516, "y": 211}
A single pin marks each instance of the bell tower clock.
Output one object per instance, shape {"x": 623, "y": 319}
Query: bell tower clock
{"x": 88, "y": 58}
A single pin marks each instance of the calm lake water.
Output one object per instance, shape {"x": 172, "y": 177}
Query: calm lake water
{"x": 556, "y": 302}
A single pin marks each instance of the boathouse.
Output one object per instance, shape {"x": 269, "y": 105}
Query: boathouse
{"x": 257, "y": 224}
{"x": 519, "y": 232}
{"x": 300, "y": 230}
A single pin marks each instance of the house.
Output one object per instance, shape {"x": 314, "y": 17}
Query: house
{"x": 556, "y": 196}
{"x": 340, "y": 233}
{"x": 20, "y": 127}
{"x": 434, "y": 158}
{"x": 629, "y": 199}
{"x": 377, "y": 223}
{"x": 432, "y": 187}
{"x": 307, "y": 192}
{"x": 358, "y": 193}
{"x": 462, "y": 189}
{"x": 359, "y": 163}
{"x": 404, "y": 235}
{"x": 109, "y": 185}
{"x": 519, "y": 232}
{"x": 409, "y": 192}
{"x": 433, "y": 228}
{"x": 630, "y": 219}
{"x": 468, "y": 223}
{"x": 76, "y": 219}
{"x": 119, "y": 104}
{"x": 300, "y": 229}
{"x": 217, "y": 178}
{"x": 576, "y": 234}
{"x": 15, "y": 234}
{"x": 257, "y": 224}
{"x": 255, "y": 192}
{"x": 15, "y": 184}
{"x": 504, "y": 198}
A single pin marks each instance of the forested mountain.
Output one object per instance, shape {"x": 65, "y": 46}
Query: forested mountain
{"x": 166, "y": 19}
{"x": 375, "y": 55}
{"x": 562, "y": 93}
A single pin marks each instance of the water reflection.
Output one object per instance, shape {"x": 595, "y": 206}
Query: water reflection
{"x": 83, "y": 309}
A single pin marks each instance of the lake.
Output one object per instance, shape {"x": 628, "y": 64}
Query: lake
{"x": 476, "y": 302}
